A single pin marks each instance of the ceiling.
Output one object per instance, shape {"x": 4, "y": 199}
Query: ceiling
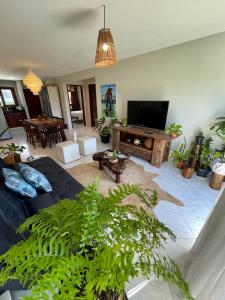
{"x": 58, "y": 37}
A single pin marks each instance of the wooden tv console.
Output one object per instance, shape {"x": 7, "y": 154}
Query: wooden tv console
{"x": 123, "y": 140}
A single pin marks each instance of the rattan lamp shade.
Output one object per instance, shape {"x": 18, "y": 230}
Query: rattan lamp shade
{"x": 105, "y": 51}
{"x": 33, "y": 82}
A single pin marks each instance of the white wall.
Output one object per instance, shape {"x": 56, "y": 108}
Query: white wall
{"x": 190, "y": 75}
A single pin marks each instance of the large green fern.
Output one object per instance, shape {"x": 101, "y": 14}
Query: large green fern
{"x": 89, "y": 247}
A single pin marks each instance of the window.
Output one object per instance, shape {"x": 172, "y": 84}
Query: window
{"x": 8, "y": 97}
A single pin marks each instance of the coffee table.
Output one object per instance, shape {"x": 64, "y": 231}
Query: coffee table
{"x": 115, "y": 168}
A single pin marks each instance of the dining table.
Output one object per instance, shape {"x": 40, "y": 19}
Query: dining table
{"x": 42, "y": 123}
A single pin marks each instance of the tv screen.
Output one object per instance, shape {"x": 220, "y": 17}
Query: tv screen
{"x": 150, "y": 114}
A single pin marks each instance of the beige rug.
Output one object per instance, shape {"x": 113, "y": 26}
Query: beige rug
{"x": 135, "y": 174}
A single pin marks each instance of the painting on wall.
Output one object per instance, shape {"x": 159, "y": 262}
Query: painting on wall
{"x": 108, "y": 100}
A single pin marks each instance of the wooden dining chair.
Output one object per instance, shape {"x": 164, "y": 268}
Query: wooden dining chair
{"x": 53, "y": 134}
{"x": 31, "y": 133}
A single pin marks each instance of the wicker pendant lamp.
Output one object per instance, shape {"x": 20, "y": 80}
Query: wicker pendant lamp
{"x": 105, "y": 51}
{"x": 33, "y": 82}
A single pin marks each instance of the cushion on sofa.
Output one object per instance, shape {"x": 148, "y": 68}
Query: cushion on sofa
{"x": 63, "y": 185}
{"x": 34, "y": 177}
{"x": 15, "y": 182}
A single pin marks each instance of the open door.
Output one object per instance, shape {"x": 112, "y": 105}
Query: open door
{"x": 93, "y": 103}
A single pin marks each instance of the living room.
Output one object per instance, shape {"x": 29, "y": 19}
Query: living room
{"x": 144, "y": 123}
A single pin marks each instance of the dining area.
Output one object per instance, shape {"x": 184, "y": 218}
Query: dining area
{"x": 44, "y": 130}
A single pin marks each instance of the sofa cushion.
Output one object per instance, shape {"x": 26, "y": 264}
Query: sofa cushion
{"x": 34, "y": 177}
{"x": 15, "y": 182}
{"x": 63, "y": 185}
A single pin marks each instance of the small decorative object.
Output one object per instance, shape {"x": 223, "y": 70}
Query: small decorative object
{"x": 33, "y": 82}
{"x": 174, "y": 130}
{"x": 137, "y": 142}
{"x": 148, "y": 143}
{"x": 104, "y": 129}
{"x": 199, "y": 138}
{"x": 124, "y": 122}
{"x": 85, "y": 249}
{"x": 105, "y": 51}
{"x": 128, "y": 140}
{"x": 188, "y": 172}
{"x": 114, "y": 157}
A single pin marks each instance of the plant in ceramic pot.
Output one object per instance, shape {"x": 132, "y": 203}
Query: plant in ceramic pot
{"x": 174, "y": 130}
{"x": 89, "y": 248}
{"x": 205, "y": 158}
{"x": 103, "y": 128}
{"x": 188, "y": 170}
{"x": 199, "y": 138}
{"x": 114, "y": 157}
{"x": 13, "y": 153}
{"x": 180, "y": 155}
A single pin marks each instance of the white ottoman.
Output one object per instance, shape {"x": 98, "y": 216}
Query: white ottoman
{"x": 67, "y": 151}
{"x": 87, "y": 145}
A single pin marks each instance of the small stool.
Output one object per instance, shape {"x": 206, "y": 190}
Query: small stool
{"x": 67, "y": 151}
{"x": 87, "y": 145}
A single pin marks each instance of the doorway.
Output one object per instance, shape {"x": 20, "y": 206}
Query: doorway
{"x": 33, "y": 103}
{"x": 76, "y": 104}
{"x": 93, "y": 103}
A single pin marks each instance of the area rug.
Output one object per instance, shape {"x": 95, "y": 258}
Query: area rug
{"x": 134, "y": 173}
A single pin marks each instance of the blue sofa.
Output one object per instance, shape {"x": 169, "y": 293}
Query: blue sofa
{"x": 14, "y": 209}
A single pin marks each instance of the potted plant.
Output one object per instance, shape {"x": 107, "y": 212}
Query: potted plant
{"x": 180, "y": 155}
{"x": 13, "y": 153}
{"x": 104, "y": 129}
{"x": 114, "y": 157}
{"x": 205, "y": 159}
{"x": 188, "y": 170}
{"x": 89, "y": 248}
{"x": 219, "y": 129}
{"x": 174, "y": 130}
{"x": 199, "y": 138}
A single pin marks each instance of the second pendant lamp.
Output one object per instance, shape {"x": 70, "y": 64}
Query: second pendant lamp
{"x": 105, "y": 51}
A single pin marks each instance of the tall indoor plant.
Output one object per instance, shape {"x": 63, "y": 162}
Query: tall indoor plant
{"x": 90, "y": 247}
{"x": 103, "y": 128}
{"x": 205, "y": 158}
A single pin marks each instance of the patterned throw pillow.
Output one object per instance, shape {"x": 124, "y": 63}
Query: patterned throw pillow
{"x": 15, "y": 182}
{"x": 34, "y": 177}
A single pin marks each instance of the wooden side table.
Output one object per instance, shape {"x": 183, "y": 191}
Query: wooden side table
{"x": 115, "y": 168}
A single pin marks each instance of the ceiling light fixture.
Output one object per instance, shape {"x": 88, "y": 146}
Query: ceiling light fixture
{"x": 105, "y": 51}
{"x": 33, "y": 82}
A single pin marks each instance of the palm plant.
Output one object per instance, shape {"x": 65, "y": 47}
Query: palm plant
{"x": 103, "y": 128}
{"x": 219, "y": 128}
{"x": 85, "y": 249}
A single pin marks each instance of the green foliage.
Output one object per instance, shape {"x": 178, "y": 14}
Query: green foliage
{"x": 13, "y": 148}
{"x": 219, "y": 128}
{"x": 174, "y": 129}
{"x": 104, "y": 128}
{"x": 181, "y": 154}
{"x": 124, "y": 122}
{"x": 206, "y": 154}
{"x": 81, "y": 249}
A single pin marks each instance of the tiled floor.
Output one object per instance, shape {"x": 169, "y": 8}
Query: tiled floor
{"x": 186, "y": 221}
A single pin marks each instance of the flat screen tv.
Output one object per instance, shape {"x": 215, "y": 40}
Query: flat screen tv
{"x": 150, "y": 114}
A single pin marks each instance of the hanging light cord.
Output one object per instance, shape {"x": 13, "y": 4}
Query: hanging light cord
{"x": 104, "y": 14}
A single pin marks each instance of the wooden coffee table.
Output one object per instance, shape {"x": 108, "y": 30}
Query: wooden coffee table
{"x": 115, "y": 168}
